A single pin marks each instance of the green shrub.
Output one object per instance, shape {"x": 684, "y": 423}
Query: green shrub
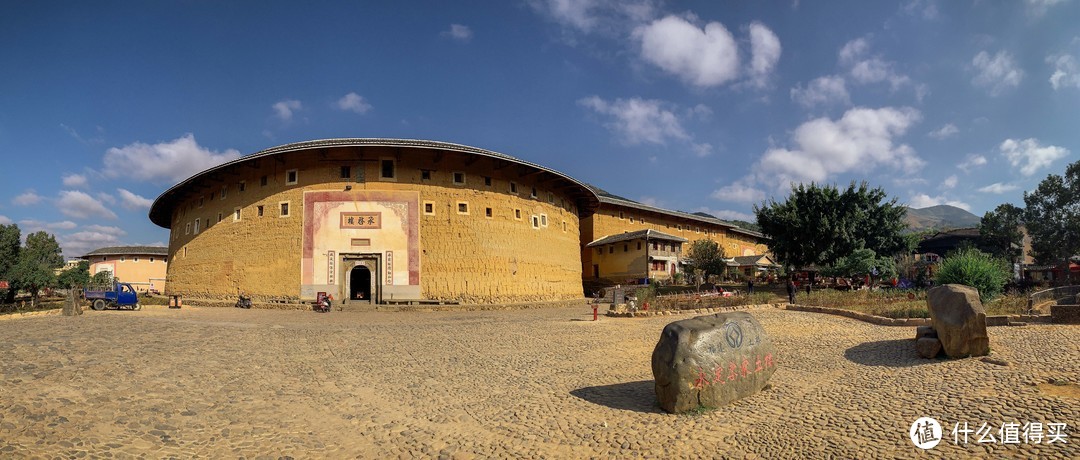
{"x": 977, "y": 269}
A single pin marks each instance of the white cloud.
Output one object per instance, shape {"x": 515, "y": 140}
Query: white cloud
{"x": 972, "y": 161}
{"x": 33, "y": 225}
{"x": 764, "y": 53}
{"x": 853, "y": 50}
{"x": 578, "y": 14}
{"x": 1038, "y": 7}
{"x": 1029, "y": 156}
{"x": 998, "y": 188}
{"x": 99, "y": 138}
{"x": 132, "y": 201}
{"x": 702, "y": 150}
{"x": 923, "y": 200}
{"x": 106, "y": 198}
{"x": 949, "y": 182}
{"x": 353, "y": 102}
{"x": 725, "y": 214}
{"x": 700, "y": 111}
{"x": 284, "y": 109}
{"x": 106, "y": 229}
{"x": 826, "y": 90}
{"x": 641, "y": 121}
{"x": 1066, "y": 71}
{"x": 4, "y": 220}
{"x": 925, "y": 8}
{"x": 91, "y": 238}
{"x": 702, "y": 57}
{"x": 75, "y": 180}
{"x": 651, "y": 201}
{"x": 79, "y": 205}
{"x": 27, "y": 198}
{"x": 949, "y": 130}
{"x": 909, "y": 181}
{"x": 739, "y": 192}
{"x": 996, "y": 73}
{"x": 170, "y": 161}
{"x": 590, "y": 16}
{"x": 459, "y": 32}
{"x": 865, "y": 68}
{"x": 859, "y": 141}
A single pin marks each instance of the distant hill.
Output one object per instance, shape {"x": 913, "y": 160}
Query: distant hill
{"x": 940, "y": 217}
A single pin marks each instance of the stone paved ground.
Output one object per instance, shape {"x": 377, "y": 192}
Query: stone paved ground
{"x": 538, "y": 383}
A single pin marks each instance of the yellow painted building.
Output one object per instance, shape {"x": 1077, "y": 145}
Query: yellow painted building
{"x": 144, "y": 267}
{"x": 618, "y": 215}
{"x": 383, "y": 220}
{"x": 633, "y": 256}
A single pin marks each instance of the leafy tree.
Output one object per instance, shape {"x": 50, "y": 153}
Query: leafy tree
{"x": 74, "y": 277}
{"x": 1052, "y": 217}
{"x": 102, "y": 278}
{"x": 9, "y": 255}
{"x": 821, "y": 224}
{"x": 863, "y": 262}
{"x": 999, "y": 232}
{"x": 706, "y": 257}
{"x": 38, "y": 261}
{"x": 972, "y": 267}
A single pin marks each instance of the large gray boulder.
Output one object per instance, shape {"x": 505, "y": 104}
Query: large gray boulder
{"x": 959, "y": 319}
{"x": 710, "y": 361}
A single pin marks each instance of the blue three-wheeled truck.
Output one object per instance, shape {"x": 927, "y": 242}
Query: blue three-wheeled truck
{"x": 119, "y": 296}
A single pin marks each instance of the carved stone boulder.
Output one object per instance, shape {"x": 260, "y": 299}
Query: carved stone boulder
{"x": 959, "y": 319}
{"x": 709, "y": 361}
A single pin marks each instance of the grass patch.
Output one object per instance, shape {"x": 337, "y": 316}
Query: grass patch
{"x": 50, "y": 303}
{"x": 154, "y": 300}
{"x": 900, "y": 303}
{"x": 695, "y": 301}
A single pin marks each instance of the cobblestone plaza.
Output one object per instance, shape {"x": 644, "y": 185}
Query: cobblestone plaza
{"x": 540, "y": 383}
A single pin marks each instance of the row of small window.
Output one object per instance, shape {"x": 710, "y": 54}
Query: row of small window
{"x": 291, "y": 178}
{"x": 538, "y": 220}
{"x": 680, "y": 227}
{"x": 676, "y": 247}
{"x": 134, "y": 259}
{"x": 283, "y": 211}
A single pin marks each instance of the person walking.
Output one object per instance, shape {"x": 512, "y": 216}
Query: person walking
{"x": 791, "y": 291}
{"x": 808, "y": 283}
{"x": 750, "y": 286}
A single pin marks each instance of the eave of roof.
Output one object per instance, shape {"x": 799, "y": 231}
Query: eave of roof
{"x": 628, "y": 236}
{"x": 128, "y": 250}
{"x": 609, "y": 198}
{"x": 160, "y": 216}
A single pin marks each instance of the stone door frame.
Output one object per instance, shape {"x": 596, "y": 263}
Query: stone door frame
{"x": 373, "y": 262}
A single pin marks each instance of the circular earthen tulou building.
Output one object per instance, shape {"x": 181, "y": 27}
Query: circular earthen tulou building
{"x": 376, "y": 221}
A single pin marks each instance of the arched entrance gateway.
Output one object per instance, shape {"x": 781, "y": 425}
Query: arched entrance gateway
{"x": 360, "y": 276}
{"x": 360, "y": 284}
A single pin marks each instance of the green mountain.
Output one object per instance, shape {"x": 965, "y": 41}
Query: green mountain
{"x": 940, "y": 217}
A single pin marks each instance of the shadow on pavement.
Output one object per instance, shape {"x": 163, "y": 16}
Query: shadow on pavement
{"x": 890, "y": 353}
{"x": 634, "y": 396}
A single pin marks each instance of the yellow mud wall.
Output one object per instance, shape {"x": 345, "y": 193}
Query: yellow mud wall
{"x": 464, "y": 256}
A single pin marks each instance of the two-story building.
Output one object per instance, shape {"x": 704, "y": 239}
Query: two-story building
{"x": 627, "y": 222}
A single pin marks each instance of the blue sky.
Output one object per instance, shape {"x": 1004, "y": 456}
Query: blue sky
{"x": 698, "y": 106}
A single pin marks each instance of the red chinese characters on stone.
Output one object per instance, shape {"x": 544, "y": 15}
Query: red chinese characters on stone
{"x": 734, "y": 371}
{"x": 702, "y": 381}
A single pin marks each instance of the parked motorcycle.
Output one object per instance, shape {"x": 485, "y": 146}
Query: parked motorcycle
{"x": 243, "y": 302}
{"x": 323, "y": 305}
